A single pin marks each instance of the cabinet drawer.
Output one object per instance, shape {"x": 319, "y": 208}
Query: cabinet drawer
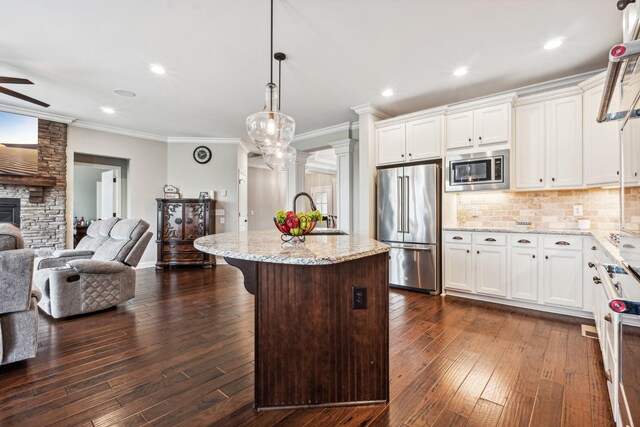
{"x": 183, "y": 256}
{"x": 179, "y": 247}
{"x": 572, "y": 243}
{"x": 457, "y": 237}
{"x": 524, "y": 240}
{"x": 494, "y": 239}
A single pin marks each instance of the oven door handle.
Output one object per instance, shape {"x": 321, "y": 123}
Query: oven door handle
{"x": 609, "y": 287}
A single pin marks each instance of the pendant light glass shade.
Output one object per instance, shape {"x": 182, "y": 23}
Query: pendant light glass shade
{"x": 271, "y": 128}
{"x": 279, "y": 158}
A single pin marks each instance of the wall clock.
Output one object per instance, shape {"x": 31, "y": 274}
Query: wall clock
{"x": 202, "y": 155}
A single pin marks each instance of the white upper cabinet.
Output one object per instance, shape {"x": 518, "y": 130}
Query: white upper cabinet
{"x": 424, "y": 138}
{"x": 391, "y": 144}
{"x": 530, "y": 146}
{"x": 417, "y": 136}
{"x": 460, "y": 130}
{"x": 474, "y": 129}
{"x": 491, "y": 125}
{"x": 565, "y": 141}
{"x": 548, "y": 143}
{"x": 600, "y": 142}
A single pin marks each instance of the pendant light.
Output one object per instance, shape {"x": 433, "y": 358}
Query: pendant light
{"x": 270, "y": 129}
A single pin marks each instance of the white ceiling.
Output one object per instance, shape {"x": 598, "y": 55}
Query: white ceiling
{"x": 341, "y": 54}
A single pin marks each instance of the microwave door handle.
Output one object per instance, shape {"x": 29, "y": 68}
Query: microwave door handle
{"x": 406, "y": 204}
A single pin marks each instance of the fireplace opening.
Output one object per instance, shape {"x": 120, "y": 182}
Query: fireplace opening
{"x": 10, "y": 211}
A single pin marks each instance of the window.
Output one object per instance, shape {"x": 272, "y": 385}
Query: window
{"x": 322, "y": 201}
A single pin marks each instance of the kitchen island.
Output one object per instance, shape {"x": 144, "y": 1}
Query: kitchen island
{"x": 321, "y": 316}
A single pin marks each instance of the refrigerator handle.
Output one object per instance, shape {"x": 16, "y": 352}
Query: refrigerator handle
{"x": 405, "y": 208}
{"x": 400, "y": 195}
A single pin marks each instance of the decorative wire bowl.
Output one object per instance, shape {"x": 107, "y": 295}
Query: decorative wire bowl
{"x": 289, "y": 234}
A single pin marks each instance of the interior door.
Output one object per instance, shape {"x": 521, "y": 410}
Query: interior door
{"x": 243, "y": 219}
{"x": 108, "y": 196}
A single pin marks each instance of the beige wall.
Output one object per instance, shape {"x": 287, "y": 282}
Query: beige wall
{"x": 546, "y": 209}
{"x": 267, "y": 194}
{"x": 220, "y": 174}
{"x": 146, "y": 176}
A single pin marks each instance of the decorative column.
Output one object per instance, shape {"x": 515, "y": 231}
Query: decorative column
{"x": 295, "y": 179}
{"x": 344, "y": 187}
{"x": 365, "y": 196}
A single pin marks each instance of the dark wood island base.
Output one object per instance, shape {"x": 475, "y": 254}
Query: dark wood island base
{"x": 312, "y": 347}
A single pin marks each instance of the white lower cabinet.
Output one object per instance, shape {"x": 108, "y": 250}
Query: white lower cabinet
{"x": 562, "y": 277}
{"x": 491, "y": 270}
{"x": 524, "y": 273}
{"x": 458, "y": 267}
{"x": 534, "y": 269}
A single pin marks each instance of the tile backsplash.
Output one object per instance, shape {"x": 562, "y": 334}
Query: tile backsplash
{"x": 545, "y": 209}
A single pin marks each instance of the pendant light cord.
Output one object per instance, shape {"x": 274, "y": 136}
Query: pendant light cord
{"x": 271, "y": 58}
{"x": 279, "y": 85}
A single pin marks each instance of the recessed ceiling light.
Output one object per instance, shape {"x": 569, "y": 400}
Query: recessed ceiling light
{"x": 107, "y": 110}
{"x": 158, "y": 69}
{"x": 552, "y": 44}
{"x": 125, "y": 93}
{"x": 460, "y": 71}
{"x": 387, "y": 92}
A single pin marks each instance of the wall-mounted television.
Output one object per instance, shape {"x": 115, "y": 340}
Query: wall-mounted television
{"x": 18, "y": 144}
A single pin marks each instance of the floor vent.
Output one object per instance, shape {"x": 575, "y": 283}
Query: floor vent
{"x": 589, "y": 331}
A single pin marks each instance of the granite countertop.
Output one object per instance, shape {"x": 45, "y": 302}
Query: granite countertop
{"x": 266, "y": 246}
{"x": 516, "y": 230}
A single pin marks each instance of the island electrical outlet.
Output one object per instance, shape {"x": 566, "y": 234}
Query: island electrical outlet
{"x": 359, "y": 297}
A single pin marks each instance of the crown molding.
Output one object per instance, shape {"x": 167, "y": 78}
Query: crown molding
{"x": 431, "y": 112}
{"x": 560, "y": 83}
{"x": 594, "y": 81}
{"x": 487, "y": 101}
{"x": 118, "y": 131}
{"x": 368, "y": 108}
{"x": 549, "y": 95}
{"x": 354, "y": 125}
{"x": 342, "y": 127}
{"x": 38, "y": 114}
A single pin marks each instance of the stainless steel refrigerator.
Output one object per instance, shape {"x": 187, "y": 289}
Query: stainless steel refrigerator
{"x": 408, "y": 199}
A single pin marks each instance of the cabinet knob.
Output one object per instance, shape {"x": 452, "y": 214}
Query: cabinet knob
{"x": 553, "y": 179}
{"x": 401, "y": 155}
{"x": 540, "y": 179}
{"x": 410, "y": 154}
{"x": 591, "y": 265}
{"x": 546, "y": 257}
{"x": 596, "y": 280}
{"x": 607, "y": 317}
{"x": 480, "y": 138}
{"x": 608, "y": 375}
{"x": 478, "y": 252}
{"x": 617, "y": 172}
{"x": 469, "y": 139}
{"x": 533, "y": 256}
{"x": 635, "y": 174}
{"x": 467, "y": 250}
{"x": 593, "y": 248}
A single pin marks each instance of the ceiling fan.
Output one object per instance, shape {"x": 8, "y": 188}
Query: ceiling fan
{"x": 18, "y": 81}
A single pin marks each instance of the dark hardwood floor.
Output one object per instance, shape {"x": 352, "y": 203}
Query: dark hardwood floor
{"x": 181, "y": 353}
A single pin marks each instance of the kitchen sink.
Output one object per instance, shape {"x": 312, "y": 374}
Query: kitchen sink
{"x": 327, "y": 232}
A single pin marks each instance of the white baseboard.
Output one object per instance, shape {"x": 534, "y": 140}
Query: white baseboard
{"x": 146, "y": 264}
{"x": 522, "y": 304}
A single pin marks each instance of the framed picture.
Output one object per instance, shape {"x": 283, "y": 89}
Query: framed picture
{"x": 204, "y": 195}
{"x": 18, "y": 145}
{"x": 171, "y": 195}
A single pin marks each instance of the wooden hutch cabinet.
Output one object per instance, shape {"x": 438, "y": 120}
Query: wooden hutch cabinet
{"x": 180, "y": 222}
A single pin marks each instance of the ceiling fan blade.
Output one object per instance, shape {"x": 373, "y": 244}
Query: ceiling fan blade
{"x": 21, "y": 96}
{"x": 15, "y": 80}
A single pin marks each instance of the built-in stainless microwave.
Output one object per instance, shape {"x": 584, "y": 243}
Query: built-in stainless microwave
{"x": 478, "y": 171}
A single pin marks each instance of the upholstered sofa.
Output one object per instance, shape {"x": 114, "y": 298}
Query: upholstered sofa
{"x": 97, "y": 275}
{"x": 18, "y": 300}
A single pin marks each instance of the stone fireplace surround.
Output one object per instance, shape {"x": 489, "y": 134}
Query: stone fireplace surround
{"x": 43, "y": 224}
